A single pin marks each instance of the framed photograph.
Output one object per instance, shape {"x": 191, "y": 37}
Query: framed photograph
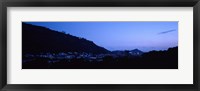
{"x": 90, "y": 45}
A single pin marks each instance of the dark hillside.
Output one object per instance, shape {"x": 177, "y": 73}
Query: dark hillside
{"x": 37, "y": 39}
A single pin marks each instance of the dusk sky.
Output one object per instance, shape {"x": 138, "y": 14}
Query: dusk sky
{"x": 145, "y": 36}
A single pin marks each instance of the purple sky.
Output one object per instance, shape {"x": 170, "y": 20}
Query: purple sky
{"x": 144, "y": 36}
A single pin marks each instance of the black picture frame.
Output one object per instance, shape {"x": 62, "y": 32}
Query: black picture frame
{"x": 98, "y": 3}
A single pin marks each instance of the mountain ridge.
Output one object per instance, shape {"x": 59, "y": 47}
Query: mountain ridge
{"x": 39, "y": 39}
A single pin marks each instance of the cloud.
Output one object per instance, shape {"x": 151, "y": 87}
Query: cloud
{"x": 167, "y": 31}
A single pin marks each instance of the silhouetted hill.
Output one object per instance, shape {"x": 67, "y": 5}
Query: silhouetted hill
{"x": 135, "y": 52}
{"x": 37, "y": 39}
{"x": 170, "y": 55}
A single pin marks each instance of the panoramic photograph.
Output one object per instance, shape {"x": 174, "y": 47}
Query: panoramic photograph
{"x": 100, "y": 45}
